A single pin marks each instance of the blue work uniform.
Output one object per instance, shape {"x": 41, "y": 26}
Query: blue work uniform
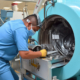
{"x": 13, "y": 38}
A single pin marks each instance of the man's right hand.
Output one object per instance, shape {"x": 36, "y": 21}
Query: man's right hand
{"x": 33, "y": 54}
{"x": 43, "y": 52}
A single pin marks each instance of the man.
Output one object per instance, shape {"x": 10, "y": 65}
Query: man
{"x": 13, "y": 39}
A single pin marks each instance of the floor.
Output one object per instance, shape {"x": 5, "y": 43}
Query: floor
{"x": 16, "y": 66}
{"x": 19, "y": 76}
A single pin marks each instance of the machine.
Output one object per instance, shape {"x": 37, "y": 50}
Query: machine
{"x": 59, "y": 35}
{"x": 5, "y": 16}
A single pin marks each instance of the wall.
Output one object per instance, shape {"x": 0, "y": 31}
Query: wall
{"x": 30, "y": 6}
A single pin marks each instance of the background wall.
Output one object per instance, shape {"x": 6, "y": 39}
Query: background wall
{"x": 30, "y": 5}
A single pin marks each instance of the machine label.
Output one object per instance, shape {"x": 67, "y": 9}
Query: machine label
{"x": 55, "y": 36}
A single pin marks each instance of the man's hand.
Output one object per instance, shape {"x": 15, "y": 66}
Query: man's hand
{"x": 33, "y": 54}
{"x": 30, "y": 54}
{"x": 44, "y": 52}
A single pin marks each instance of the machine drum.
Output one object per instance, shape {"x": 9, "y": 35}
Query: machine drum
{"x": 56, "y": 31}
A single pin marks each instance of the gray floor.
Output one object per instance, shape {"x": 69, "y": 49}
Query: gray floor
{"x": 16, "y": 66}
{"x": 19, "y": 76}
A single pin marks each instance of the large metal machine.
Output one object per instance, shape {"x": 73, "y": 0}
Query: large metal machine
{"x": 59, "y": 35}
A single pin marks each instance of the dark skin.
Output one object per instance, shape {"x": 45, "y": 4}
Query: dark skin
{"x": 30, "y": 54}
{"x": 28, "y": 25}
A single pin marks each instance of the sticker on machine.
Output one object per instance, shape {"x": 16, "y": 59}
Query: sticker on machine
{"x": 55, "y": 36}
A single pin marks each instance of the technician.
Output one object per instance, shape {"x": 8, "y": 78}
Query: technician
{"x": 13, "y": 39}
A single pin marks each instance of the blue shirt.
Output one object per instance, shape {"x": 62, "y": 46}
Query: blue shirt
{"x": 13, "y": 38}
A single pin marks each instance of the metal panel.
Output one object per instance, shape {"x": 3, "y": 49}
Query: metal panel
{"x": 45, "y": 68}
{"x": 42, "y": 68}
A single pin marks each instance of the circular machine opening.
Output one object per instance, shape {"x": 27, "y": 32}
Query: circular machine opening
{"x": 56, "y": 34}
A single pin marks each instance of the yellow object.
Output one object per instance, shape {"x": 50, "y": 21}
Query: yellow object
{"x": 35, "y": 64}
{"x": 17, "y": 71}
{"x": 44, "y": 52}
{"x": 28, "y": 40}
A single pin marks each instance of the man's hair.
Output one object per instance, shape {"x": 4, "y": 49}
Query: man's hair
{"x": 33, "y": 19}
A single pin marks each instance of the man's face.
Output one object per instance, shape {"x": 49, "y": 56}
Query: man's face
{"x": 35, "y": 28}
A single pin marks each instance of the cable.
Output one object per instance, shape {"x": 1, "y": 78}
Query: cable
{"x": 47, "y": 9}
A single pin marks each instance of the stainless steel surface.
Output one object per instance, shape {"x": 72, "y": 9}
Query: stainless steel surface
{"x": 33, "y": 47}
{"x": 50, "y": 41}
{"x": 45, "y": 66}
{"x": 64, "y": 43}
{"x": 48, "y": 47}
{"x": 51, "y": 52}
{"x": 56, "y": 65}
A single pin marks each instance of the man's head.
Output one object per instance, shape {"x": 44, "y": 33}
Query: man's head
{"x": 32, "y": 21}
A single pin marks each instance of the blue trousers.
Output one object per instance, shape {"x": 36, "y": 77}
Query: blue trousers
{"x": 9, "y": 75}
